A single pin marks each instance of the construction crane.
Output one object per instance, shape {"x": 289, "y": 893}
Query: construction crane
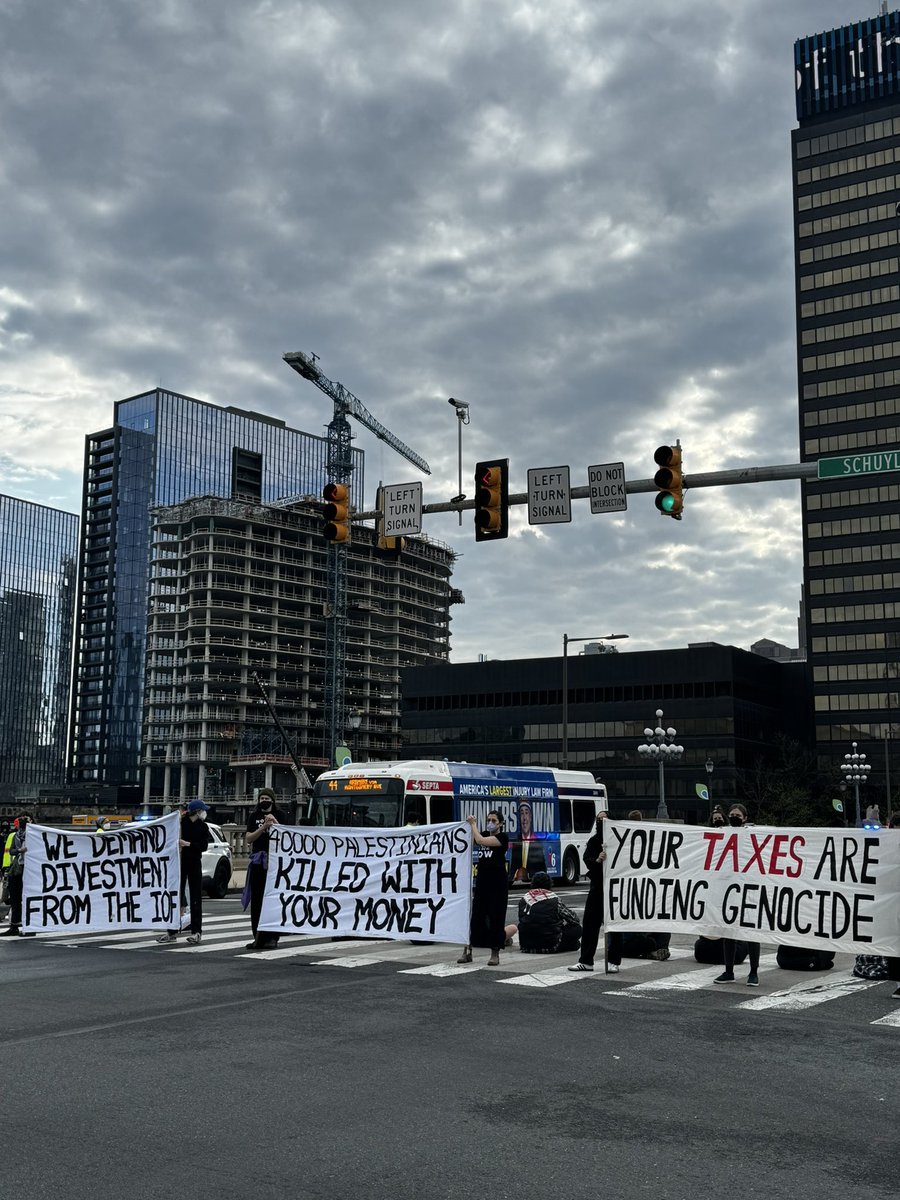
{"x": 339, "y": 465}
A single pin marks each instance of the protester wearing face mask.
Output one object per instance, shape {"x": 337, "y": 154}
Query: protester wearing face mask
{"x": 487, "y": 927}
{"x": 264, "y": 816}
{"x": 737, "y": 818}
{"x": 592, "y": 920}
{"x": 717, "y": 818}
{"x": 194, "y": 839}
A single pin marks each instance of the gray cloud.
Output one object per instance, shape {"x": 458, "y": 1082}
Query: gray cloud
{"x": 578, "y": 220}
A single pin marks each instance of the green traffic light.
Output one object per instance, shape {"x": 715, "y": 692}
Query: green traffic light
{"x": 667, "y": 502}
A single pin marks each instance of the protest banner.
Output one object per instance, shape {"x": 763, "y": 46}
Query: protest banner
{"x": 393, "y": 883}
{"x": 128, "y": 878}
{"x": 832, "y": 889}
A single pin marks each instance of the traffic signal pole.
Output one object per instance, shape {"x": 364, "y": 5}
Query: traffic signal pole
{"x": 773, "y": 474}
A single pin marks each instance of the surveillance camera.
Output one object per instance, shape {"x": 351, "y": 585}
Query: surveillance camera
{"x": 457, "y": 403}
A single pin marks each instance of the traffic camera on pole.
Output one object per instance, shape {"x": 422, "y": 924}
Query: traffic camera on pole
{"x": 336, "y": 513}
{"x": 668, "y": 479}
{"x": 492, "y": 500}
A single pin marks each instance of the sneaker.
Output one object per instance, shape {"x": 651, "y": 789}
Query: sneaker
{"x": 895, "y": 995}
{"x": 194, "y": 939}
{"x": 612, "y": 968}
{"x": 12, "y": 931}
{"x": 580, "y": 966}
{"x": 165, "y": 938}
{"x": 753, "y": 979}
{"x": 725, "y": 977}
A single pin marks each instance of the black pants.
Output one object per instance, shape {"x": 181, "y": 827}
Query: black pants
{"x": 729, "y": 947}
{"x": 256, "y": 874}
{"x": 15, "y": 900}
{"x": 591, "y": 923}
{"x": 892, "y": 964}
{"x": 192, "y": 886}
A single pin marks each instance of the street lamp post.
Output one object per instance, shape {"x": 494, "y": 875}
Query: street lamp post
{"x": 856, "y": 770}
{"x": 661, "y": 747}
{"x": 609, "y": 637}
{"x": 710, "y": 767}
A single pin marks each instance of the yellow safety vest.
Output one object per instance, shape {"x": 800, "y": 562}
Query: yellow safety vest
{"x": 7, "y": 847}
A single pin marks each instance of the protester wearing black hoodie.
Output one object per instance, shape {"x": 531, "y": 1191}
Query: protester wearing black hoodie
{"x": 592, "y": 921}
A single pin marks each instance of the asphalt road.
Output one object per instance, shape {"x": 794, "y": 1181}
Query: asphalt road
{"x": 138, "y": 1071}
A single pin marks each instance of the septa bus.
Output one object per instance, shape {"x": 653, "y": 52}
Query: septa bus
{"x": 549, "y": 813}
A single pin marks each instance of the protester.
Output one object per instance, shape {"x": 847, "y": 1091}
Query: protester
{"x": 592, "y": 920}
{"x": 6, "y": 838}
{"x": 15, "y": 873}
{"x": 193, "y": 840}
{"x": 892, "y": 965}
{"x": 804, "y": 958}
{"x": 487, "y": 927}
{"x": 259, "y": 825}
{"x": 546, "y": 925}
{"x": 737, "y": 818}
{"x": 717, "y": 818}
{"x": 710, "y": 950}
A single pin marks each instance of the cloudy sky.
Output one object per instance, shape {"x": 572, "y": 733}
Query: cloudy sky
{"x": 575, "y": 215}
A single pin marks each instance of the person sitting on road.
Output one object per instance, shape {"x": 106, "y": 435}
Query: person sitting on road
{"x": 546, "y": 925}
{"x": 804, "y": 958}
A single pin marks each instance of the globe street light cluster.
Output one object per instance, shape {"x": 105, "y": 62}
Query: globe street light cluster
{"x": 855, "y": 770}
{"x": 661, "y": 747}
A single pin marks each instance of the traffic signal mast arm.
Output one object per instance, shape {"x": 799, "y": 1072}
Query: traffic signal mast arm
{"x": 774, "y": 474}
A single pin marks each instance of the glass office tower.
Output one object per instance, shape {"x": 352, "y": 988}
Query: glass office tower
{"x": 163, "y": 448}
{"x": 38, "y": 548}
{"x": 846, "y": 169}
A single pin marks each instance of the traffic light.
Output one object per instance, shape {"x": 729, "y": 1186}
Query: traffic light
{"x": 385, "y": 547}
{"x": 492, "y": 500}
{"x": 670, "y": 500}
{"x": 336, "y": 513}
{"x": 390, "y": 547}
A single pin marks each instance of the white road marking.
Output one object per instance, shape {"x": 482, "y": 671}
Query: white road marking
{"x": 702, "y": 977}
{"x": 443, "y": 970}
{"x": 809, "y": 993}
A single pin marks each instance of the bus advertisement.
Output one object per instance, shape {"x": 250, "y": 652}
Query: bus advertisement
{"x": 549, "y": 813}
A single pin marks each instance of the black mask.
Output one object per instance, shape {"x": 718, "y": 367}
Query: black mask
{"x": 266, "y": 808}
{"x": 735, "y": 820}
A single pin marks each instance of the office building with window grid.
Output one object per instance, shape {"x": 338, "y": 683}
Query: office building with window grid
{"x": 38, "y": 549}
{"x": 162, "y": 448}
{"x": 846, "y": 197}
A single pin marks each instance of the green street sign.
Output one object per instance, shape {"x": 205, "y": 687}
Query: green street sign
{"x": 869, "y": 463}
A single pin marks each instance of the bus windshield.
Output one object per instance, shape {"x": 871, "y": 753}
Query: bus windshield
{"x": 359, "y": 800}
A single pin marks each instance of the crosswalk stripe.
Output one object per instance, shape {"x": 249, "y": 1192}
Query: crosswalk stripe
{"x": 220, "y": 931}
{"x": 692, "y": 981}
{"x": 808, "y": 994}
{"x": 360, "y": 960}
{"x": 555, "y": 976}
{"x": 891, "y": 1019}
{"x": 181, "y": 946}
{"x": 444, "y": 970}
{"x": 303, "y": 950}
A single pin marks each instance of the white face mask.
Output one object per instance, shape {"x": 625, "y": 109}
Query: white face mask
{"x": 492, "y": 825}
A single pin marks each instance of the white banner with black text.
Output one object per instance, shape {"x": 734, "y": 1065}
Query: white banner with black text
{"x": 127, "y": 878}
{"x": 832, "y": 889}
{"x": 412, "y": 883}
